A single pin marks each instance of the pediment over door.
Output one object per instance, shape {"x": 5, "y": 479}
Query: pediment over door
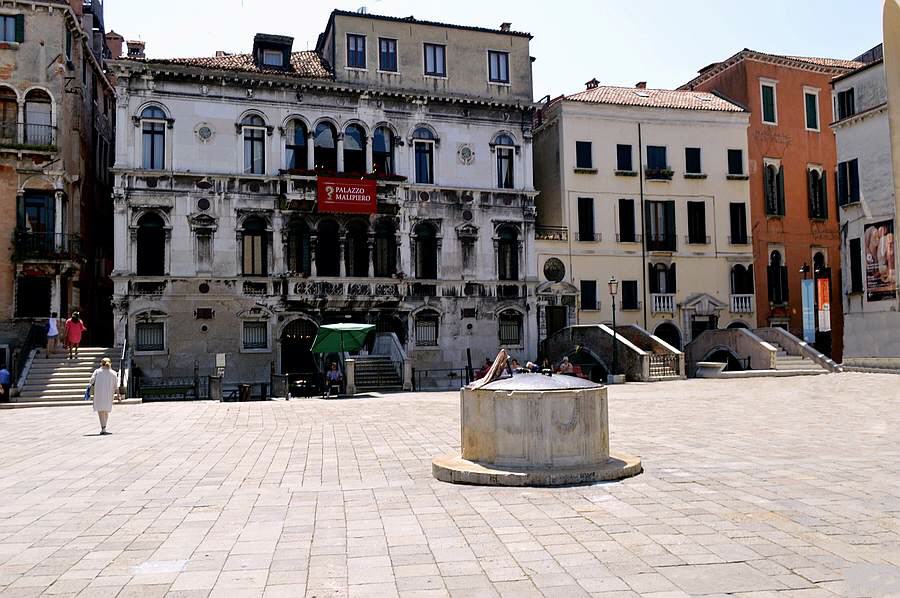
{"x": 703, "y": 304}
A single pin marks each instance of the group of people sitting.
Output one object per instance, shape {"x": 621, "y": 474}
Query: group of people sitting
{"x": 563, "y": 367}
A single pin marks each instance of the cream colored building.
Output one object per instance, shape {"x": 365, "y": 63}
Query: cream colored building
{"x": 651, "y": 187}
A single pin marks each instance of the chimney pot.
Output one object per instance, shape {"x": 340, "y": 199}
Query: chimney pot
{"x": 592, "y": 84}
{"x": 136, "y": 48}
{"x": 505, "y": 26}
{"x": 641, "y": 85}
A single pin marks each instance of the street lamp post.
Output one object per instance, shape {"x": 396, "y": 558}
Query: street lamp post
{"x": 613, "y": 290}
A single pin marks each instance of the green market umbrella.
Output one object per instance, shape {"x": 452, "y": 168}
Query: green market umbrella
{"x": 339, "y": 338}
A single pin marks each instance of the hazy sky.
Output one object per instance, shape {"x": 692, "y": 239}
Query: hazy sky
{"x": 663, "y": 42}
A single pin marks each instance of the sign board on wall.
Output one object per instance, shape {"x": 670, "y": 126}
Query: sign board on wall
{"x": 808, "y": 297}
{"x": 824, "y": 293}
{"x": 346, "y": 196}
{"x": 881, "y": 268}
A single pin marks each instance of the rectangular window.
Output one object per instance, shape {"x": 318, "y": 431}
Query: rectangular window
{"x": 856, "y": 276}
{"x": 769, "y": 110}
{"x": 736, "y": 161}
{"x": 812, "y": 110}
{"x": 626, "y": 221}
{"x": 630, "y": 295}
{"x": 426, "y": 330}
{"x": 149, "y": 336}
{"x": 696, "y": 222}
{"x": 387, "y": 54}
{"x": 256, "y": 335}
{"x": 589, "y": 294}
{"x": 586, "y": 219}
{"x": 424, "y": 152}
{"x": 738, "y": 213}
{"x": 254, "y": 254}
{"x": 660, "y": 225}
{"x": 10, "y": 28}
{"x": 435, "y": 60}
{"x": 510, "y": 329}
{"x": 656, "y": 157}
{"x": 692, "y": 160}
{"x": 623, "y": 157}
{"x": 583, "y": 157}
{"x": 204, "y": 249}
{"x": 154, "y": 145}
{"x": 848, "y": 182}
{"x": 846, "y": 104}
{"x": 273, "y": 57}
{"x": 498, "y": 67}
{"x": 254, "y": 150}
{"x": 356, "y": 51}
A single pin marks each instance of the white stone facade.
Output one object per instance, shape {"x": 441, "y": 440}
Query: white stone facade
{"x": 212, "y": 259}
{"x": 871, "y": 321}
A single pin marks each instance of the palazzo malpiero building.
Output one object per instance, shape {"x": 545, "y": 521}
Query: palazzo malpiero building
{"x": 418, "y": 136}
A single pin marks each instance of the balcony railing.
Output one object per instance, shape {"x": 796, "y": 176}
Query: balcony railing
{"x": 626, "y": 238}
{"x": 661, "y": 242}
{"x": 697, "y": 239}
{"x": 25, "y": 135}
{"x": 588, "y": 236}
{"x": 658, "y": 174}
{"x": 662, "y": 303}
{"x": 739, "y": 240}
{"x": 53, "y": 246}
{"x": 742, "y": 304}
{"x": 551, "y": 233}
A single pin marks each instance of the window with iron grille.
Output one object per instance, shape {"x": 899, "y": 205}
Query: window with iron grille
{"x": 149, "y": 336}
{"x": 427, "y": 329}
{"x": 256, "y": 335}
{"x": 510, "y": 328}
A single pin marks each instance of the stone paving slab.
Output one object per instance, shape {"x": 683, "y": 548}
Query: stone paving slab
{"x": 752, "y": 488}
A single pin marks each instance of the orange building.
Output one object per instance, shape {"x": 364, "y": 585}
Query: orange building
{"x": 792, "y": 161}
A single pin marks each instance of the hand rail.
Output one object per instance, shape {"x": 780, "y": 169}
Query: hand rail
{"x": 36, "y": 335}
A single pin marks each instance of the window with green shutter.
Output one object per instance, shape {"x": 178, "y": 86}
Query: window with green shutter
{"x": 9, "y": 28}
{"x": 769, "y": 114}
{"x": 812, "y": 111}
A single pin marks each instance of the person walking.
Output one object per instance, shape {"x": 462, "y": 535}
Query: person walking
{"x": 52, "y": 334}
{"x": 74, "y": 329}
{"x": 105, "y": 383}
{"x": 5, "y": 384}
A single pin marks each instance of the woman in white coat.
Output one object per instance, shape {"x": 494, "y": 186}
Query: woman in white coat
{"x": 105, "y": 382}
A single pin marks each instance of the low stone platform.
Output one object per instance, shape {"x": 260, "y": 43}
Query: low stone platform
{"x": 454, "y": 469}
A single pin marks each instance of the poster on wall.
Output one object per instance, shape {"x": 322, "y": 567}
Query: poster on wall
{"x": 346, "y": 196}
{"x": 881, "y": 269}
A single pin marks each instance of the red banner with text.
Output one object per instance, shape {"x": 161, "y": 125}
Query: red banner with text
{"x": 346, "y": 196}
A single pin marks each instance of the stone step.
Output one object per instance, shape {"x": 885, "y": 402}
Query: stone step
{"x": 59, "y": 403}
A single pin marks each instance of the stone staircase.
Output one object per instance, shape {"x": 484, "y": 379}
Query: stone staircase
{"x": 796, "y": 364}
{"x": 58, "y": 379}
{"x": 378, "y": 373}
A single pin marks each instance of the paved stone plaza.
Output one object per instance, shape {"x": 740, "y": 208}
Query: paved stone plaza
{"x": 763, "y": 487}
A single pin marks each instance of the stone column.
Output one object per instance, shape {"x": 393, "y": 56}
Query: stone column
{"x": 58, "y": 237}
{"x": 370, "y": 243}
{"x": 20, "y": 122}
{"x": 310, "y": 152}
{"x": 342, "y": 252}
{"x": 120, "y": 228}
{"x": 56, "y": 296}
{"x": 350, "y": 376}
{"x": 313, "y": 241}
{"x": 368, "y": 143}
{"x": 340, "y": 151}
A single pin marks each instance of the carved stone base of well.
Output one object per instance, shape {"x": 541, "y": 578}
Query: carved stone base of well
{"x": 453, "y": 468}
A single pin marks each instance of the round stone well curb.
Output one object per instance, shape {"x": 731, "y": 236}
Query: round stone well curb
{"x": 454, "y": 469}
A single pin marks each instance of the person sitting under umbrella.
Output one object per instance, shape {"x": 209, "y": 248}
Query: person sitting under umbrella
{"x": 333, "y": 380}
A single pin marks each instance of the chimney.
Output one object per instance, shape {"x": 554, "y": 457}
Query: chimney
{"x": 641, "y": 85}
{"x": 505, "y": 26}
{"x": 136, "y": 48}
{"x": 592, "y": 84}
{"x": 221, "y": 53}
{"x": 114, "y": 42}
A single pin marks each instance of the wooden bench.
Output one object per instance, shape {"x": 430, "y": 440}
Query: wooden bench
{"x": 169, "y": 388}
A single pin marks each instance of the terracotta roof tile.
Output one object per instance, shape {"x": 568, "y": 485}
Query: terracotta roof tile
{"x": 655, "y": 98}
{"x": 830, "y": 62}
{"x": 306, "y": 64}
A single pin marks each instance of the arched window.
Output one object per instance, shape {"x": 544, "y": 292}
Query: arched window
{"x": 38, "y": 118}
{"x": 151, "y": 245}
{"x": 356, "y": 255}
{"x": 774, "y": 188}
{"x": 426, "y": 251}
{"x": 426, "y": 325}
{"x": 328, "y": 249}
{"x": 778, "y": 280}
{"x": 354, "y": 149}
{"x": 385, "y": 249}
{"x": 509, "y": 328}
{"x": 295, "y": 146}
{"x": 383, "y": 151}
{"x": 153, "y": 138}
{"x": 423, "y": 149}
{"x": 742, "y": 280}
{"x": 505, "y": 148}
{"x": 818, "y": 205}
{"x": 508, "y": 254}
{"x": 255, "y": 247}
{"x": 9, "y": 115}
{"x": 326, "y": 148}
{"x": 254, "y": 130}
{"x": 819, "y": 264}
{"x": 299, "y": 248}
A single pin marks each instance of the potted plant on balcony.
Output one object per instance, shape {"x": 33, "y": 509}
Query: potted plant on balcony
{"x": 659, "y": 173}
